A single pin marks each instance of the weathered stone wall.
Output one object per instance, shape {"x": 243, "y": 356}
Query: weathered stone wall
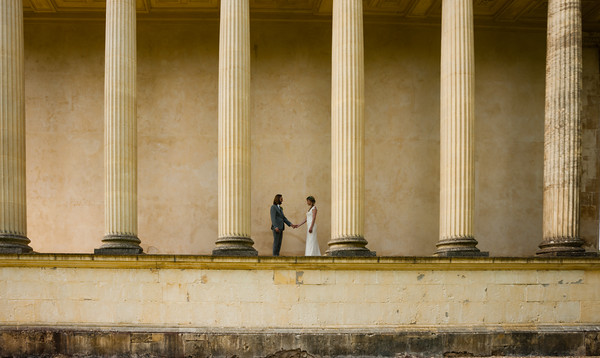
{"x": 291, "y": 131}
{"x": 57, "y": 342}
{"x": 200, "y": 292}
{"x": 377, "y": 305}
{"x": 590, "y": 143}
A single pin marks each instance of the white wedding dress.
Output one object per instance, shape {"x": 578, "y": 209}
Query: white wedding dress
{"x": 312, "y": 244}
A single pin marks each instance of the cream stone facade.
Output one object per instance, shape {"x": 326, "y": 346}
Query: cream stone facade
{"x": 200, "y": 292}
{"x": 214, "y": 306}
{"x": 452, "y": 128}
{"x": 290, "y": 129}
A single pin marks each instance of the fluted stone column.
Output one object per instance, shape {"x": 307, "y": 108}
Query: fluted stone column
{"x": 347, "y": 132}
{"x": 562, "y": 134}
{"x": 13, "y": 219}
{"x": 120, "y": 130}
{"x": 457, "y": 170}
{"x": 234, "y": 131}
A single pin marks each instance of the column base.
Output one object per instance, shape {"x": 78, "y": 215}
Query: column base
{"x": 349, "y": 247}
{"x": 120, "y": 245}
{"x": 14, "y": 244}
{"x": 459, "y": 247}
{"x": 561, "y": 246}
{"x": 234, "y": 246}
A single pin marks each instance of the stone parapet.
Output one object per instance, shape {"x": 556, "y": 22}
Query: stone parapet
{"x": 224, "y": 306}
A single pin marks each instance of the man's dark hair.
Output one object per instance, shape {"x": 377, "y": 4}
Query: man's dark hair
{"x": 277, "y": 199}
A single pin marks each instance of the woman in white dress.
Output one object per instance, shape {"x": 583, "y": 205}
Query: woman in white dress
{"x": 312, "y": 244}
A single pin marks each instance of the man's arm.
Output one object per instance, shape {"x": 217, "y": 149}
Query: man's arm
{"x": 285, "y": 220}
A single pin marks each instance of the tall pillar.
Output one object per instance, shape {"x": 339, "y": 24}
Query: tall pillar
{"x": 562, "y": 134}
{"x": 457, "y": 169}
{"x": 347, "y": 132}
{"x": 234, "y": 131}
{"x": 120, "y": 130}
{"x": 13, "y": 218}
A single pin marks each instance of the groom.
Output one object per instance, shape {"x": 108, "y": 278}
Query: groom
{"x": 277, "y": 221}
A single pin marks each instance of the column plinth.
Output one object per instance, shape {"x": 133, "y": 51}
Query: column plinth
{"x": 234, "y": 131}
{"x": 347, "y": 132}
{"x": 457, "y": 169}
{"x": 13, "y": 215}
{"x": 562, "y": 132}
{"x": 120, "y": 131}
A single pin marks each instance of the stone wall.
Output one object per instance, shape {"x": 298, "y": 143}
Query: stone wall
{"x": 291, "y": 126}
{"x": 407, "y": 297}
{"x": 590, "y": 150}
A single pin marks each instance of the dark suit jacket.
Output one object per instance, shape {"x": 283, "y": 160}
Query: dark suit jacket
{"x": 278, "y": 219}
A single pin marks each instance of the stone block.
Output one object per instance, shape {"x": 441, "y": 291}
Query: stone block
{"x": 88, "y": 311}
{"x": 174, "y": 292}
{"x": 318, "y": 277}
{"x": 590, "y": 312}
{"x": 431, "y": 313}
{"x": 515, "y": 277}
{"x": 473, "y": 344}
{"x": 475, "y": 311}
{"x": 97, "y": 343}
{"x": 157, "y": 344}
{"x": 314, "y": 293}
{"x": 328, "y": 314}
{"x": 568, "y": 312}
{"x": 425, "y": 343}
{"x": 284, "y": 277}
{"x": 561, "y": 344}
{"x": 152, "y": 313}
{"x": 27, "y": 343}
{"x": 592, "y": 343}
{"x": 506, "y": 293}
{"x": 197, "y": 348}
{"x": 535, "y": 293}
{"x": 513, "y": 343}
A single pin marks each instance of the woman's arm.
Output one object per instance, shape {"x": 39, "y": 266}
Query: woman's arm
{"x": 314, "y": 220}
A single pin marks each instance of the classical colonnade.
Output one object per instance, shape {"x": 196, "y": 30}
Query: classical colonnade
{"x": 457, "y": 184}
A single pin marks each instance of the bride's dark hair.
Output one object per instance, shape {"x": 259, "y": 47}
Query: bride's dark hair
{"x": 311, "y": 199}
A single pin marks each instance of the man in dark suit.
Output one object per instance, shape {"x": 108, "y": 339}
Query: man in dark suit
{"x": 277, "y": 223}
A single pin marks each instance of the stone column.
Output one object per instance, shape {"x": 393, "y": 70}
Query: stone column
{"x": 120, "y": 130}
{"x": 347, "y": 132}
{"x": 457, "y": 170}
{"x": 562, "y": 134}
{"x": 13, "y": 218}
{"x": 234, "y": 131}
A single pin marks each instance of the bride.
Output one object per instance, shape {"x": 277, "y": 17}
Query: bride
{"x": 312, "y": 245}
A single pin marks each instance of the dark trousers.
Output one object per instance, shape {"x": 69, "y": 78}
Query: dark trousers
{"x": 277, "y": 238}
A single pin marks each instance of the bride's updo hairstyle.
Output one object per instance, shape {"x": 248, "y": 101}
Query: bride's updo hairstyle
{"x": 311, "y": 199}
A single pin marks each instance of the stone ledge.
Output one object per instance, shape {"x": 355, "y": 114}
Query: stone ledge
{"x": 299, "y": 262}
{"x": 26, "y": 341}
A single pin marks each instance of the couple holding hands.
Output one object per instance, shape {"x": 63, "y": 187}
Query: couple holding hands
{"x": 278, "y": 220}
